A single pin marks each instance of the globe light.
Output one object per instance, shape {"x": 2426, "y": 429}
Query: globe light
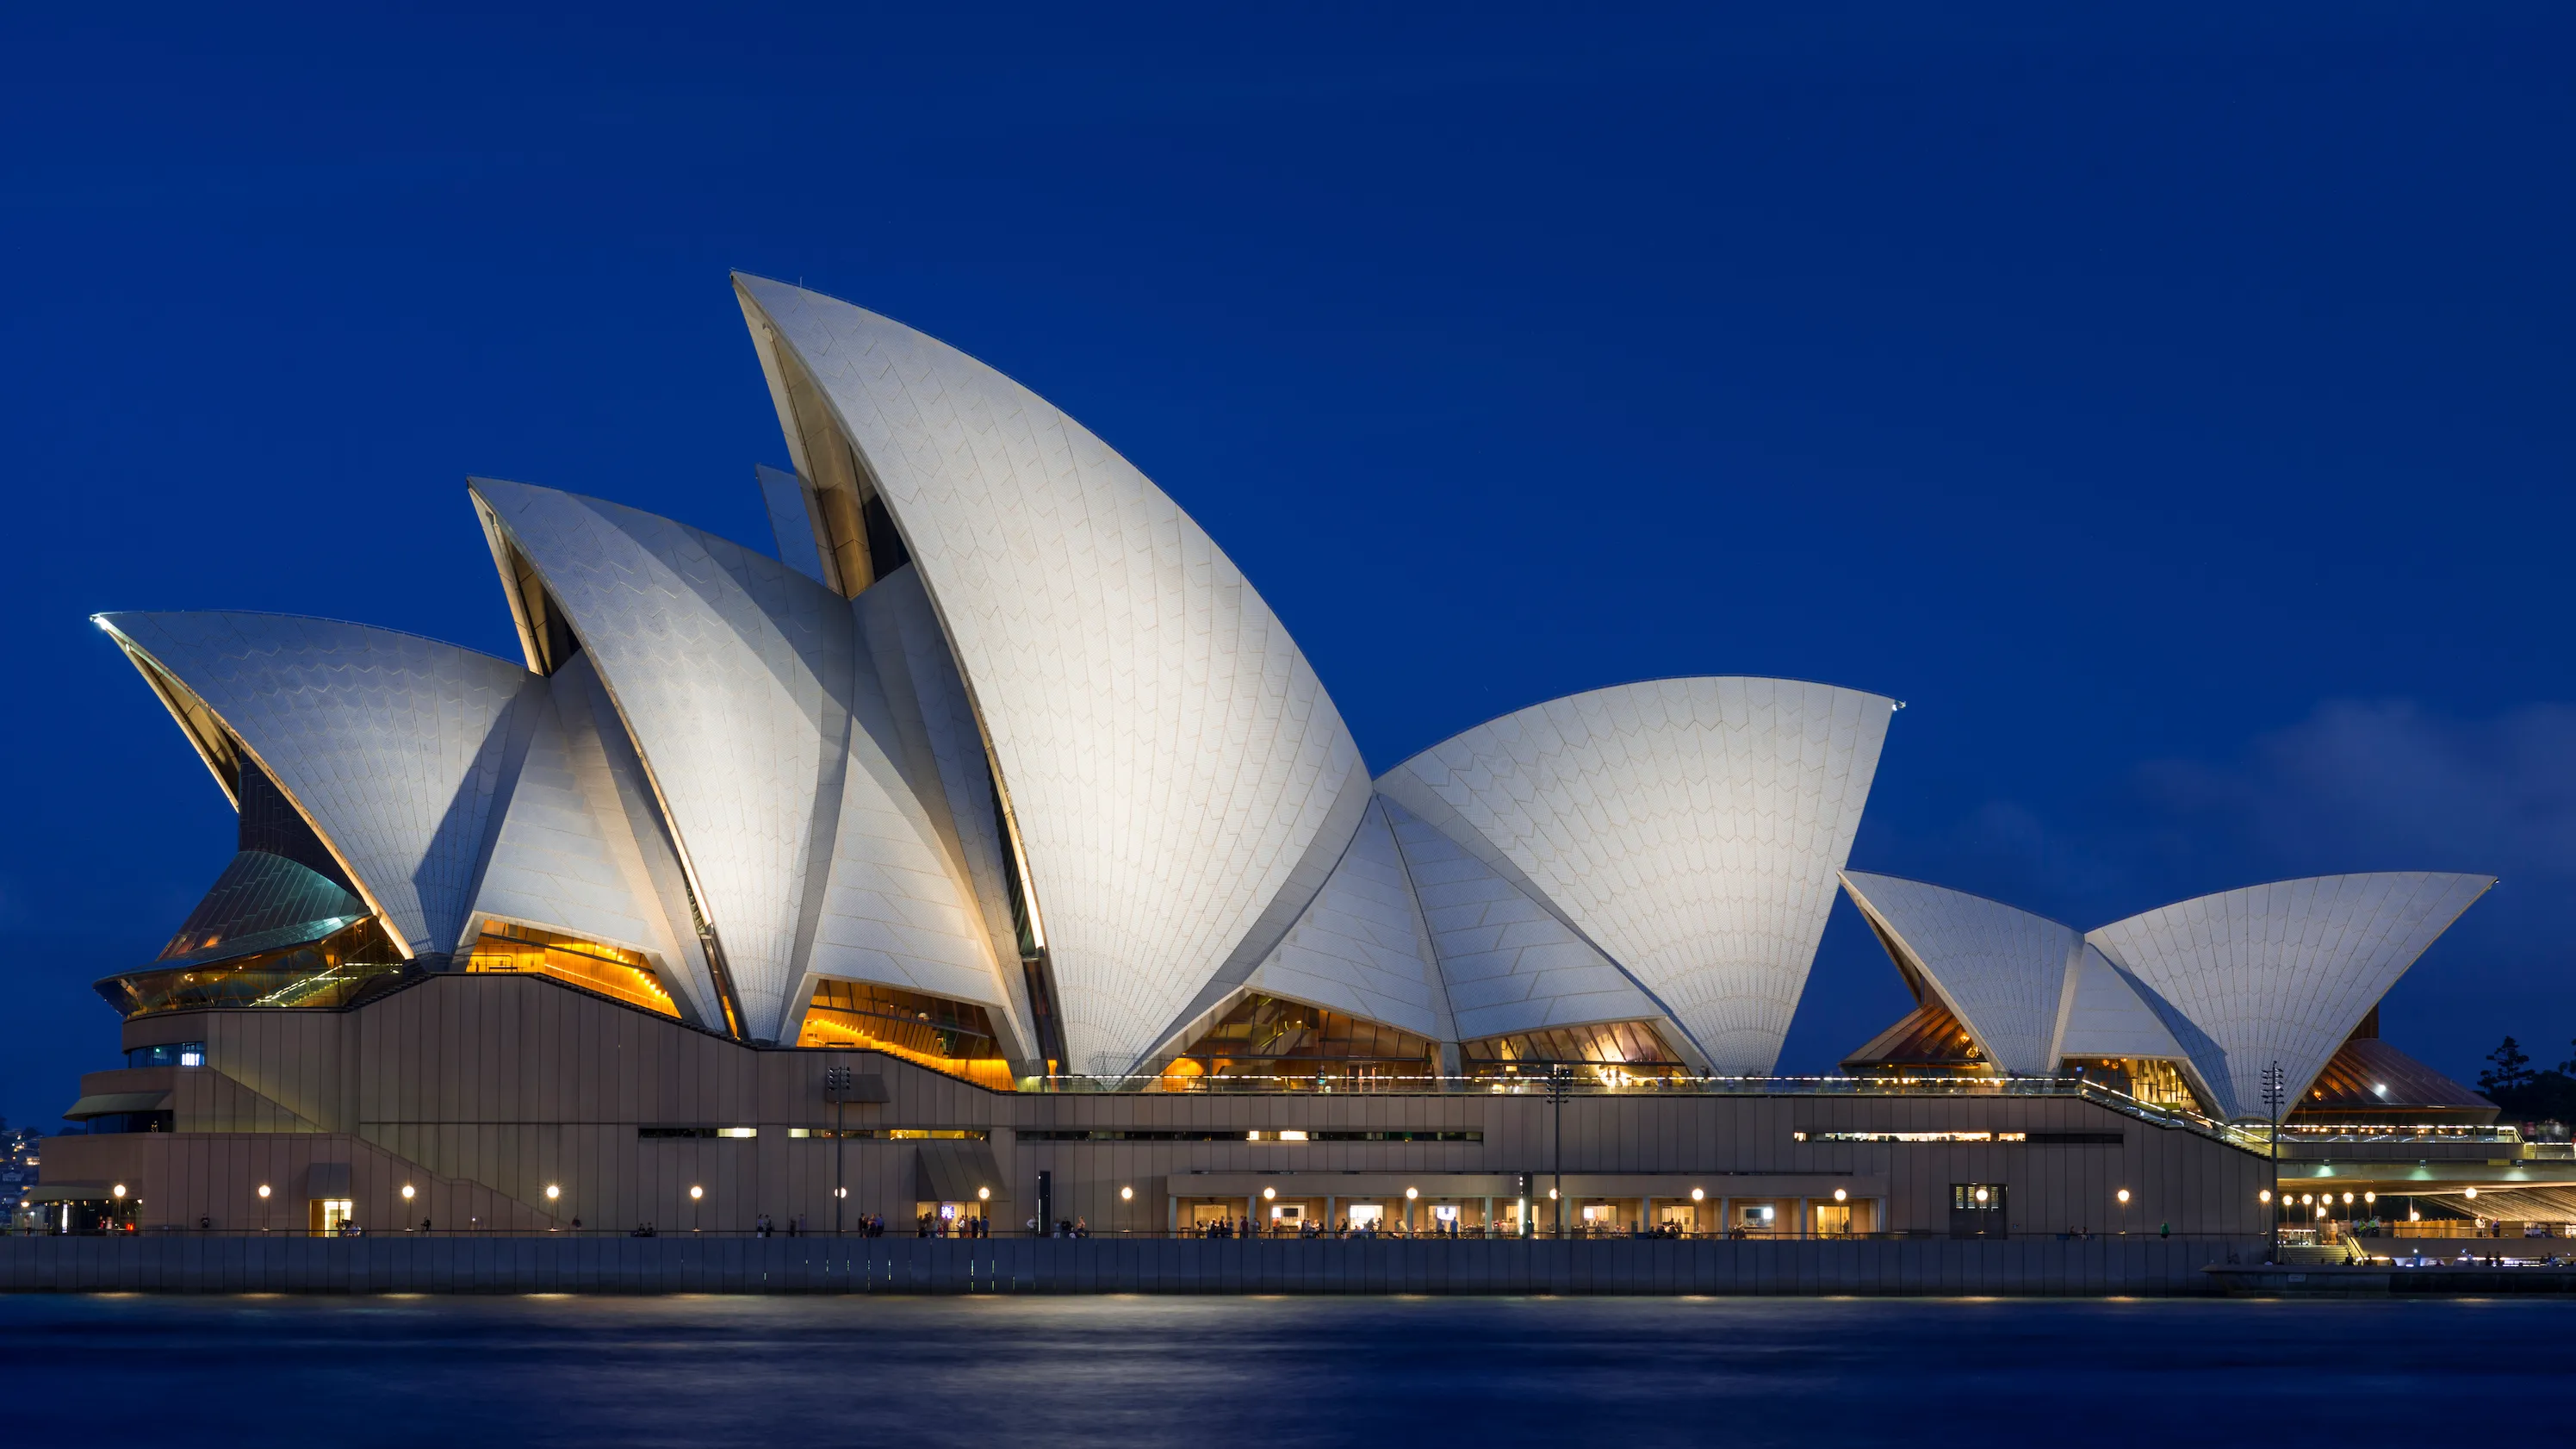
{"x": 2124, "y": 1197}
{"x": 983, "y": 1194}
{"x": 696, "y": 1192}
{"x": 117, "y": 1191}
{"x": 1840, "y": 1194}
{"x": 263, "y": 1189}
{"x": 2370, "y": 1197}
{"x": 2469, "y": 1193}
{"x": 1981, "y": 1194}
{"x": 1700, "y": 1194}
{"x": 553, "y": 1192}
{"x": 407, "y": 1191}
{"x": 2264, "y": 1196}
{"x": 1551, "y": 1194}
{"x": 1269, "y": 1193}
{"x": 840, "y": 1192}
{"x": 1411, "y": 1193}
{"x": 2347, "y": 1197}
{"x": 1126, "y": 1194}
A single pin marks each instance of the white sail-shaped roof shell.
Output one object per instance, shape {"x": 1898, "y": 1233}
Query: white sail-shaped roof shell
{"x": 392, "y": 746}
{"x": 1361, "y": 947}
{"x": 1689, "y": 829}
{"x": 2282, "y": 972}
{"x": 1178, "y": 779}
{"x": 2030, "y": 991}
{"x": 583, "y": 850}
{"x": 2001, "y": 971}
{"x": 2102, "y": 1015}
{"x": 742, "y": 685}
{"x": 1507, "y": 965}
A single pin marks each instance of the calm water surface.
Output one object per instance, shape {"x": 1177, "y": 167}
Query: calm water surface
{"x": 1257, "y": 1372}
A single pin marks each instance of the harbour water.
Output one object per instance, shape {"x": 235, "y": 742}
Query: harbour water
{"x": 1130, "y": 1371}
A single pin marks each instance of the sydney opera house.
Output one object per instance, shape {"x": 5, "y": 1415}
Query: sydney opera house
{"x": 990, "y": 851}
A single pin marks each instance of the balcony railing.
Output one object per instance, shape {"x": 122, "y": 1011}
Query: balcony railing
{"x": 1591, "y": 1079}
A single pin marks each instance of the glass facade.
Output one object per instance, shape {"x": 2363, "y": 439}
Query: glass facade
{"x": 1302, "y": 1047}
{"x": 167, "y": 1054}
{"x": 349, "y": 966}
{"x": 1614, "y": 1052}
{"x": 929, "y": 1031}
{"x": 621, "y": 975}
{"x": 2154, "y": 1082}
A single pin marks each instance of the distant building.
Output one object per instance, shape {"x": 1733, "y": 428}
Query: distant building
{"x": 1003, "y": 786}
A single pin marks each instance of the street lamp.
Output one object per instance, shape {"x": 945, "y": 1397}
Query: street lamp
{"x": 2276, "y": 1090}
{"x": 263, "y": 1207}
{"x": 697, "y": 1195}
{"x": 836, "y": 1090}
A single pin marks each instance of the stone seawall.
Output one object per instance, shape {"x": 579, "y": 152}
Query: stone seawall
{"x": 1918, "y": 1266}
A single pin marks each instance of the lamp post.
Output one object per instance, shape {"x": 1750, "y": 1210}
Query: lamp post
{"x": 1560, "y": 1081}
{"x": 697, "y": 1195}
{"x": 2275, "y": 1092}
{"x": 836, "y": 1090}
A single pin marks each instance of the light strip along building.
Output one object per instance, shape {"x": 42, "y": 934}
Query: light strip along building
{"x": 992, "y": 850}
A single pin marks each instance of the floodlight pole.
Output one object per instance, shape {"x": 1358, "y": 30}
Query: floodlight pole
{"x": 2275, "y": 1090}
{"x": 1560, "y": 1080}
{"x": 836, "y": 1085}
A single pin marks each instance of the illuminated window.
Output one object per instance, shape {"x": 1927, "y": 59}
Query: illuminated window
{"x": 1302, "y": 1047}
{"x": 955, "y": 1037}
{"x": 1612, "y": 1052}
{"x": 507, "y": 948}
{"x": 351, "y": 965}
{"x": 168, "y": 1054}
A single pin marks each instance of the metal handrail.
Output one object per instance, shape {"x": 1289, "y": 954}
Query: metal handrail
{"x": 1603, "y": 1079}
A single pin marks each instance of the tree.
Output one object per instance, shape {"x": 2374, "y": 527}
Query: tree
{"x": 2511, "y": 1072}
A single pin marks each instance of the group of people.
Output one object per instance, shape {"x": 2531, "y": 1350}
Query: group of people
{"x": 932, "y": 1225}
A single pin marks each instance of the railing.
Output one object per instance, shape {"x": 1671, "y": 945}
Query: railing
{"x": 1105, "y": 1234}
{"x": 2295, "y": 1134}
{"x": 1598, "y": 1080}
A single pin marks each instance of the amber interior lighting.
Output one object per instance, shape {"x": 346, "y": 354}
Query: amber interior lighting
{"x": 955, "y": 1037}
{"x": 506, "y": 947}
{"x": 1301, "y": 1045}
{"x": 1613, "y": 1051}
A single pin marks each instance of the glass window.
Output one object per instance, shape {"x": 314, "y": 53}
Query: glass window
{"x": 168, "y": 1054}
{"x": 955, "y": 1037}
{"x": 1292, "y": 1045}
{"x": 506, "y": 947}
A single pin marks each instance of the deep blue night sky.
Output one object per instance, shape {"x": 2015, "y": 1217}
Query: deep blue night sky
{"x": 2172, "y": 406}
